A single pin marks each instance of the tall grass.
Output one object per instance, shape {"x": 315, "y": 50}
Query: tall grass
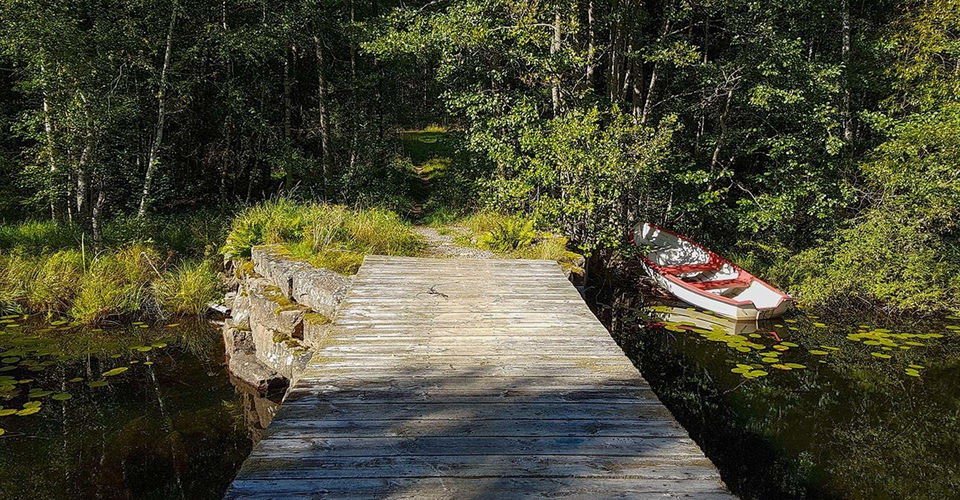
{"x": 49, "y": 268}
{"x": 326, "y": 235}
{"x": 188, "y": 288}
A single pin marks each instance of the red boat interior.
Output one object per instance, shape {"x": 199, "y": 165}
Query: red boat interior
{"x": 713, "y": 265}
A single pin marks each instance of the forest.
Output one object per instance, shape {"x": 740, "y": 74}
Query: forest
{"x": 815, "y": 142}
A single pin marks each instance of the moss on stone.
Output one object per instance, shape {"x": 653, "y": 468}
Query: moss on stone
{"x": 315, "y": 318}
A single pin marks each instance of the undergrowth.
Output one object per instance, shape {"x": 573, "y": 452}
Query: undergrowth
{"x": 327, "y": 236}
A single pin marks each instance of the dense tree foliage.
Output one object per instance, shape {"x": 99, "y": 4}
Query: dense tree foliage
{"x": 820, "y": 129}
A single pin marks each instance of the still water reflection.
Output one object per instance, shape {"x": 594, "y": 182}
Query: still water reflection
{"x": 807, "y": 406}
{"x": 133, "y": 412}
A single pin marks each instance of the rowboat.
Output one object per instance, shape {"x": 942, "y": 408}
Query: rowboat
{"x": 704, "y": 279}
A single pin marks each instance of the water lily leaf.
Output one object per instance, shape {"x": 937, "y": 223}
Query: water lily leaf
{"x": 25, "y": 381}
{"x": 115, "y": 356}
{"x": 39, "y": 394}
{"x": 755, "y": 335}
{"x": 916, "y": 367}
{"x": 2, "y": 432}
{"x": 781, "y": 347}
{"x": 173, "y": 325}
{"x": 76, "y": 379}
{"x": 134, "y": 361}
{"x": 7, "y": 368}
{"x": 115, "y": 371}
{"x": 159, "y": 345}
{"x": 10, "y": 360}
{"x": 795, "y": 366}
{"x": 98, "y": 383}
{"x": 818, "y": 352}
{"x": 143, "y": 348}
{"x": 912, "y": 372}
{"x": 819, "y": 325}
{"x": 63, "y": 396}
{"x": 781, "y": 367}
{"x": 7, "y": 412}
{"x": 32, "y": 404}
{"x": 28, "y": 411}
{"x": 880, "y": 355}
{"x": 757, "y": 373}
{"x": 789, "y": 344}
{"x": 148, "y": 362}
{"x": 770, "y": 360}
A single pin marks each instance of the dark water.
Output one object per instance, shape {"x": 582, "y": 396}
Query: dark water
{"x": 805, "y": 406}
{"x": 169, "y": 425}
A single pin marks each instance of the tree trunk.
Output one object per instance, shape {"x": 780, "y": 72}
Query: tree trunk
{"x": 161, "y": 115}
{"x": 654, "y": 74}
{"x": 714, "y": 159}
{"x": 591, "y": 44}
{"x": 322, "y": 123}
{"x": 96, "y": 211}
{"x": 554, "y": 49}
{"x": 845, "y": 56}
{"x": 51, "y": 155}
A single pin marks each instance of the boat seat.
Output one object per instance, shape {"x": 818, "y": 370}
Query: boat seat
{"x": 713, "y": 285}
{"x": 692, "y": 268}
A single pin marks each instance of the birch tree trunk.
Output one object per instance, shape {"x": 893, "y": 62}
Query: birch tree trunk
{"x": 48, "y": 132}
{"x": 161, "y": 115}
{"x": 322, "y": 122}
{"x": 845, "y": 57}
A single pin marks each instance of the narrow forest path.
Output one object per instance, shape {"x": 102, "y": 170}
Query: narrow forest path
{"x": 440, "y": 244}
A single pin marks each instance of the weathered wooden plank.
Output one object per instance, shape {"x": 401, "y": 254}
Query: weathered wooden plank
{"x": 615, "y": 467}
{"x": 289, "y": 429}
{"x": 472, "y": 411}
{"x": 312, "y": 396}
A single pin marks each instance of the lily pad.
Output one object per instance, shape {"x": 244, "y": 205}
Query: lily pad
{"x": 76, "y": 379}
{"x": 781, "y": 367}
{"x": 115, "y": 371}
{"x": 2, "y": 432}
{"x": 7, "y": 412}
{"x": 795, "y": 366}
{"x": 63, "y": 396}
{"x": 880, "y": 355}
{"x": 32, "y": 404}
{"x": 28, "y": 411}
{"x": 817, "y": 352}
{"x": 98, "y": 383}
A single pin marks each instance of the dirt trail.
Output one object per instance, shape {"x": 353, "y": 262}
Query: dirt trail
{"x": 442, "y": 245}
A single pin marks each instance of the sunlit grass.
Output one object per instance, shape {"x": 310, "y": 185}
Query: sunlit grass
{"x": 328, "y": 236}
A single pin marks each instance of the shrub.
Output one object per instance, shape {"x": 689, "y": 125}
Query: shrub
{"x": 188, "y": 288}
{"x": 509, "y": 234}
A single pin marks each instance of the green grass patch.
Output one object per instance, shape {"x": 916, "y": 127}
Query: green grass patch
{"x": 328, "y": 236}
{"x": 188, "y": 288}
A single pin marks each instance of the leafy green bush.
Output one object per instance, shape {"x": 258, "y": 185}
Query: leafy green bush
{"x": 188, "y": 288}
{"x": 509, "y": 234}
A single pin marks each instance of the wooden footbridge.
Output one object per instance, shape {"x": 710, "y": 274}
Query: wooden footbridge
{"x": 471, "y": 378}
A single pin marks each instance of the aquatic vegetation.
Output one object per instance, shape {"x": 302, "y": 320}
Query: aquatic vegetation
{"x": 188, "y": 288}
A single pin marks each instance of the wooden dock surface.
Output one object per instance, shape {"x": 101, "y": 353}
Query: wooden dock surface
{"x": 471, "y": 378}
